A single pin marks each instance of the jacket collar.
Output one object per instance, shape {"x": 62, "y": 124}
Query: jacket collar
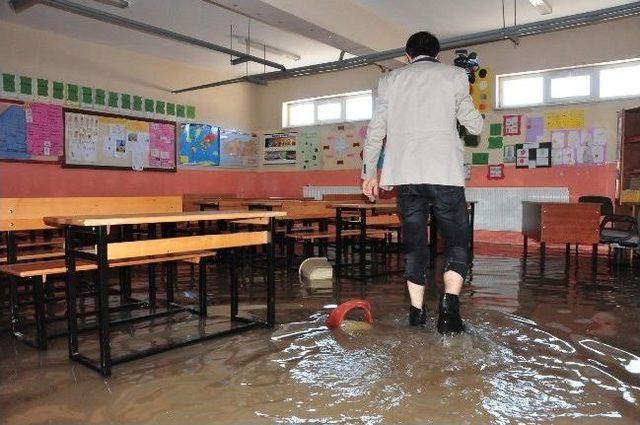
{"x": 424, "y": 58}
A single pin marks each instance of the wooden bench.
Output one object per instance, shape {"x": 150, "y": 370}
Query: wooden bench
{"x": 27, "y": 214}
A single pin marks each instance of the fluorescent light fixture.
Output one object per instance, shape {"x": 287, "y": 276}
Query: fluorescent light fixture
{"x": 542, "y": 6}
{"x": 122, "y": 4}
{"x": 271, "y": 49}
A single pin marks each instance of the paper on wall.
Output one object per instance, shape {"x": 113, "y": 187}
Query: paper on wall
{"x": 558, "y": 138}
{"x": 573, "y": 138}
{"x": 557, "y": 156}
{"x": 569, "y": 156}
{"x": 599, "y": 137}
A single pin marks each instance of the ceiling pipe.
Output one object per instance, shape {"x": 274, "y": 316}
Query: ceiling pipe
{"x": 21, "y": 5}
{"x": 508, "y": 33}
{"x": 109, "y": 18}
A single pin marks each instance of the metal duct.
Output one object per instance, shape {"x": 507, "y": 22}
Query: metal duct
{"x": 512, "y": 33}
{"x": 109, "y": 18}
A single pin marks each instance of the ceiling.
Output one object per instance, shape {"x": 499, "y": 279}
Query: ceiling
{"x": 317, "y": 30}
{"x": 449, "y": 19}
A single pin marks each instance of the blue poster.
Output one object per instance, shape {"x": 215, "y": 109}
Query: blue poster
{"x": 199, "y": 145}
{"x": 13, "y": 132}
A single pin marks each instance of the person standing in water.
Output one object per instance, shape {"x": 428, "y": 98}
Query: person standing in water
{"x": 416, "y": 108}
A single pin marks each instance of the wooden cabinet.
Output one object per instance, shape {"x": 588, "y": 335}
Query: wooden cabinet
{"x": 628, "y": 183}
{"x": 561, "y": 223}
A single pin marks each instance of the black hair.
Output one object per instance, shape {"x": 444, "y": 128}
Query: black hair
{"x": 422, "y": 43}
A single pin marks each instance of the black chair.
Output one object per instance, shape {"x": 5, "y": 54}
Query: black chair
{"x": 617, "y": 231}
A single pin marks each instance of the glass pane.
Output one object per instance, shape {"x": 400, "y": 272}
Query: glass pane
{"x": 620, "y": 82}
{"x": 522, "y": 91}
{"x": 329, "y": 111}
{"x": 301, "y": 114}
{"x": 359, "y": 107}
{"x": 579, "y": 85}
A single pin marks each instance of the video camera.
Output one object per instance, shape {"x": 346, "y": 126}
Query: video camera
{"x": 468, "y": 62}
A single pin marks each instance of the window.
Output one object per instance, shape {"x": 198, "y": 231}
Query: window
{"x": 345, "y": 107}
{"x": 589, "y": 83}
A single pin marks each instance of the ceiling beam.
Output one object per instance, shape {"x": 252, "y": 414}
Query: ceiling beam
{"x": 509, "y": 33}
{"x": 109, "y": 18}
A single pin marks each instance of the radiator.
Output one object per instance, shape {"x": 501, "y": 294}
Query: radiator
{"x": 500, "y": 208}
{"x": 316, "y": 192}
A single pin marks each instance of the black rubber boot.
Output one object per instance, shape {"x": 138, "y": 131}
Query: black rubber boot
{"x": 417, "y": 316}
{"x": 449, "y": 321}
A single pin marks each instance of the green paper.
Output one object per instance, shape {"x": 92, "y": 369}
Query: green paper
{"x": 73, "y": 94}
{"x": 43, "y": 87}
{"x": 191, "y": 112}
{"x": 113, "y": 99}
{"x": 9, "y": 83}
{"x": 87, "y": 95}
{"x": 148, "y": 105}
{"x": 480, "y": 158}
{"x": 171, "y": 109}
{"x": 137, "y": 103}
{"x": 26, "y": 85}
{"x": 471, "y": 140}
{"x": 100, "y": 97}
{"x": 58, "y": 90}
{"x": 159, "y": 107}
{"x": 125, "y": 101}
{"x": 180, "y": 111}
{"x": 495, "y": 130}
{"x": 495, "y": 142}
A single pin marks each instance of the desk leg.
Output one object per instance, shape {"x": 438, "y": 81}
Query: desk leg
{"x": 363, "y": 243}
{"x": 168, "y": 231}
{"x": 152, "y": 272}
{"x": 38, "y": 303}
{"x": 525, "y": 247}
{"x": 103, "y": 301}
{"x": 338, "y": 245}
{"x": 71, "y": 292}
{"x": 271, "y": 281}
{"x": 202, "y": 287}
{"x": 125, "y": 272}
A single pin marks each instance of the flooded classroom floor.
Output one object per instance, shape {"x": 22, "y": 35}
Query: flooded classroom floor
{"x": 545, "y": 343}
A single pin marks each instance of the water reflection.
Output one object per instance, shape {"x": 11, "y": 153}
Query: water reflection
{"x": 545, "y": 343}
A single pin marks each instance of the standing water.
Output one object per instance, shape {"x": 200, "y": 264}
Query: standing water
{"x": 545, "y": 343}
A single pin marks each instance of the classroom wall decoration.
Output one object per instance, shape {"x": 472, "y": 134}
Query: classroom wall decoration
{"x": 533, "y": 155}
{"x": 511, "y": 125}
{"x": 309, "y": 155}
{"x": 280, "y": 148}
{"x": 482, "y": 89}
{"x": 566, "y": 119}
{"x": 27, "y": 88}
{"x": 342, "y": 145}
{"x": 495, "y": 171}
{"x": 30, "y": 131}
{"x": 199, "y": 145}
{"x": 534, "y": 130}
{"x": 579, "y": 147}
{"x": 94, "y": 140}
{"x": 238, "y": 149}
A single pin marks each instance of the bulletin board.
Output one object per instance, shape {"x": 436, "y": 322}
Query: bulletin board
{"x": 96, "y": 140}
{"x": 30, "y": 131}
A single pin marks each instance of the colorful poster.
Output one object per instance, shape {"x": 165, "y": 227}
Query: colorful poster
{"x": 162, "y": 146}
{"x": 509, "y": 154}
{"x": 44, "y": 129}
{"x": 238, "y": 149}
{"x": 199, "y": 145}
{"x": 13, "y": 138}
{"x": 341, "y": 145}
{"x": 534, "y": 155}
{"x": 309, "y": 150}
{"x": 535, "y": 129}
{"x": 567, "y": 119}
{"x": 280, "y": 148}
{"x": 511, "y": 125}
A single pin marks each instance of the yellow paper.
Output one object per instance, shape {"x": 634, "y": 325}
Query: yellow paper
{"x": 138, "y": 126}
{"x": 567, "y": 119}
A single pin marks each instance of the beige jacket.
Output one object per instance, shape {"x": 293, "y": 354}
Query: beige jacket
{"x": 416, "y": 108}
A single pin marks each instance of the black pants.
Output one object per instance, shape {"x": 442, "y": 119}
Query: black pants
{"x": 448, "y": 205}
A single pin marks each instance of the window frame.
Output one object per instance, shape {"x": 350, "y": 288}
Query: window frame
{"x": 318, "y": 101}
{"x": 591, "y": 70}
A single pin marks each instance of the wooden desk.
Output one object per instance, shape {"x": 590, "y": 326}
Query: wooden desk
{"x": 95, "y": 227}
{"x": 561, "y": 223}
{"x": 362, "y": 208}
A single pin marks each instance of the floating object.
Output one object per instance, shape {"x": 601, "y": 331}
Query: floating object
{"x": 316, "y": 268}
{"x": 337, "y": 315}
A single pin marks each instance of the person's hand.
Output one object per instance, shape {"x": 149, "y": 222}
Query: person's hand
{"x": 370, "y": 188}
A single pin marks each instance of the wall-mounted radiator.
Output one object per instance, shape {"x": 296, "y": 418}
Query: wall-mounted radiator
{"x": 498, "y": 208}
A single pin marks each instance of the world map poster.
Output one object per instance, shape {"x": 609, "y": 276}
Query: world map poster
{"x": 199, "y": 145}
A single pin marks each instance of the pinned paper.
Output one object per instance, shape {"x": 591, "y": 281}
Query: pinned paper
{"x": 573, "y": 138}
{"x": 480, "y": 158}
{"x": 558, "y": 138}
{"x": 511, "y": 125}
{"x": 567, "y": 119}
{"x": 535, "y": 129}
{"x": 495, "y": 130}
{"x": 599, "y": 137}
{"x": 509, "y": 154}
{"x": 495, "y": 142}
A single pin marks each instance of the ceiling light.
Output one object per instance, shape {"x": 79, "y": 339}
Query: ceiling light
{"x": 271, "y": 49}
{"x": 542, "y": 6}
